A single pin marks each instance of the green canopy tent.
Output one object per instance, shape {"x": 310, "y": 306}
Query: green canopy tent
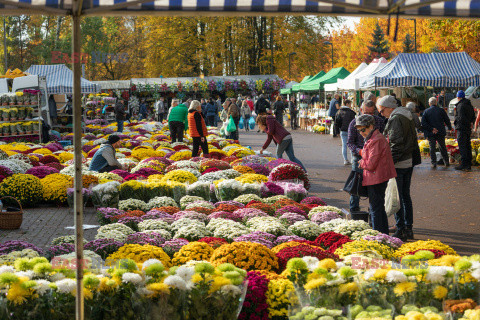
{"x": 288, "y": 88}
{"x": 305, "y": 81}
{"x": 330, "y": 77}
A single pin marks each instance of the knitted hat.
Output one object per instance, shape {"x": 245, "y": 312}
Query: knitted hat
{"x": 388, "y": 102}
{"x": 365, "y": 120}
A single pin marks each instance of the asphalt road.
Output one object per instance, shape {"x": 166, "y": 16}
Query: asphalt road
{"x": 446, "y": 202}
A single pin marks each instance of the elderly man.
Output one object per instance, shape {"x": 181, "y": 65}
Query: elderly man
{"x": 434, "y": 120}
{"x": 355, "y": 143}
{"x": 413, "y": 109}
{"x": 332, "y": 111}
{"x": 402, "y": 137}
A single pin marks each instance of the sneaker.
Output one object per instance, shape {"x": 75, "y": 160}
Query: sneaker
{"x": 346, "y": 163}
{"x": 434, "y": 166}
{"x": 408, "y": 233}
{"x": 400, "y": 234}
{"x": 447, "y": 164}
{"x": 463, "y": 168}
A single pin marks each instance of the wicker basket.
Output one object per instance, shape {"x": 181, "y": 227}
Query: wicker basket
{"x": 13, "y": 219}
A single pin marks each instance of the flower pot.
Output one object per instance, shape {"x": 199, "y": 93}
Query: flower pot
{"x": 12, "y": 103}
{"x": 4, "y": 103}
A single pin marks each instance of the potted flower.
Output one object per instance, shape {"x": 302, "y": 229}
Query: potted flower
{"x": 28, "y": 112}
{"x": 27, "y": 127}
{"x": 1, "y": 128}
{"x": 19, "y": 99}
{"x": 13, "y": 114}
{"x": 6, "y": 129}
{"x": 13, "y": 129}
{"x": 33, "y": 100}
{"x": 35, "y": 127}
{"x": 12, "y": 99}
{"x": 21, "y": 113}
{"x": 19, "y": 128}
{"x": 5, "y": 114}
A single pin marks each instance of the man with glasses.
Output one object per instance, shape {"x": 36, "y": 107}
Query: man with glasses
{"x": 402, "y": 137}
{"x": 355, "y": 142}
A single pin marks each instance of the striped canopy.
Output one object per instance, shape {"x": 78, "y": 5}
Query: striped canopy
{"x": 433, "y": 8}
{"x": 456, "y": 69}
{"x": 60, "y": 79}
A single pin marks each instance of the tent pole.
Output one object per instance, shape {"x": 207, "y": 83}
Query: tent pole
{"x": 77, "y": 139}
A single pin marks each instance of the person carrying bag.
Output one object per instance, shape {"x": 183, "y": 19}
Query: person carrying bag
{"x": 378, "y": 169}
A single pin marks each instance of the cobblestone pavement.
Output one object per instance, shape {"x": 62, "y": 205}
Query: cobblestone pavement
{"x": 446, "y": 202}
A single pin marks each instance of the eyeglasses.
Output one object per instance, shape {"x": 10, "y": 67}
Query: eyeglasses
{"x": 362, "y": 130}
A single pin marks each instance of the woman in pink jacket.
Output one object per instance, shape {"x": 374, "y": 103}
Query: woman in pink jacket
{"x": 378, "y": 168}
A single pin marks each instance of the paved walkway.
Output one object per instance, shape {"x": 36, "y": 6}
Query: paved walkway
{"x": 446, "y": 202}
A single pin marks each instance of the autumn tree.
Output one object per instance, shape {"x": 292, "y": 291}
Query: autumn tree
{"x": 408, "y": 45}
{"x": 379, "y": 45}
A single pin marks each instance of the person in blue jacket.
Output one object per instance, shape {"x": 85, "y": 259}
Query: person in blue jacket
{"x": 211, "y": 112}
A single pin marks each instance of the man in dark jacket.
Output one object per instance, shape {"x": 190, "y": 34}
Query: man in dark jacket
{"x": 342, "y": 120}
{"x": 211, "y": 112}
{"x": 402, "y": 137}
{"x": 464, "y": 119}
{"x": 332, "y": 111}
{"x": 292, "y": 107}
{"x": 120, "y": 114}
{"x": 434, "y": 120}
{"x": 261, "y": 105}
{"x": 278, "y": 108}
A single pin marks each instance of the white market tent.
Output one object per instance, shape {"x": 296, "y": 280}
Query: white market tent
{"x": 347, "y": 83}
{"x": 168, "y": 81}
{"x": 76, "y": 9}
{"x": 363, "y": 77}
{"x": 114, "y": 84}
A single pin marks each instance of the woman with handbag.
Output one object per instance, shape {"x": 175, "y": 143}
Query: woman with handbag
{"x": 378, "y": 168}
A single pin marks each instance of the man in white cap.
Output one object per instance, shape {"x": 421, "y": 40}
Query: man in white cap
{"x": 402, "y": 137}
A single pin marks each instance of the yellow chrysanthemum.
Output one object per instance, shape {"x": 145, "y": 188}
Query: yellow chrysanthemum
{"x": 440, "y": 292}
{"x": 404, "y": 287}
{"x": 314, "y": 284}
{"x": 158, "y": 289}
{"x": 328, "y": 264}
{"x": 348, "y": 288}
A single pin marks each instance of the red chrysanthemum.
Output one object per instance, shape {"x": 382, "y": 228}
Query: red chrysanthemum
{"x": 302, "y": 251}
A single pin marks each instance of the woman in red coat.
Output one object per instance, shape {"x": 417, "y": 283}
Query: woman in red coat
{"x": 280, "y": 135}
{"x": 378, "y": 168}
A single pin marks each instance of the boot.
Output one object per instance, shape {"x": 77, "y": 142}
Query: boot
{"x": 408, "y": 233}
{"x": 400, "y": 234}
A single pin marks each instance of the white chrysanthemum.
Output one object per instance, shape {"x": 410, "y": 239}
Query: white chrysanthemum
{"x": 230, "y": 289}
{"x": 396, "y": 276}
{"x": 369, "y": 274}
{"x": 144, "y": 291}
{"x": 130, "y": 277}
{"x": 185, "y": 272}
{"x": 57, "y": 277}
{"x": 436, "y": 274}
{"x": 149, "y": 262}
{"x": 66, "y": 285}
{"x": 4, "y": 269}
{"x": 340, "y": 264}
{"x": 29, "y": 274}
{"x": 475, "y": 265}
{"x": 176, "y": 282}
{"x": 476, "y": 274}
{"x": 42, "y": 286}
{"x": 335, "y": 282}
{"x": 312, "y": 263}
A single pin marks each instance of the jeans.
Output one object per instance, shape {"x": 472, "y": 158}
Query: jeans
{"x": 376, "y": 199}
{"x": 161, "y": 116}
{"x": 355, "y": 200}
{"x": 344, "y": 136}
{"x": 211, "y": 121}
{"x": 404, "y": 216}
{"x": 197, "y": 142}
{"x": 287, "y": 146}
{"x": 432, "y": 141}
{"x": 465, "y": 146}
{"x": 293, "y": 121}
{"x": 119, "y": 125}
{"x": 245, "y": 123}
{"x": 176, "y": 130}
{"x": 109, "y": 168}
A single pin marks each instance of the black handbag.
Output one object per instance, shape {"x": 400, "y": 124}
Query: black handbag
{"x": 353, "y": 185}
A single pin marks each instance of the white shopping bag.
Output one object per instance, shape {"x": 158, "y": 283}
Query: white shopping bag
{"x": 392, "y": 198}
{"x": 331, "y": 129}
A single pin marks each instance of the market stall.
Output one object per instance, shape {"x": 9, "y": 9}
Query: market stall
{"x": 296, "y": 87}
{"x": 288, "y": 88}
{"x": 60, "y": 83}
{"x": 363, "y": 77}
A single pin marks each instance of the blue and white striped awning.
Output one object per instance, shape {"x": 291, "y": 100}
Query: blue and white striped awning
{"x": 456, "y": 69}
{"x": 425, "y": 8}
{"x": 60, "y": 79}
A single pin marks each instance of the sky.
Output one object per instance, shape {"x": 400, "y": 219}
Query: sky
{"x": 349, "y": 21}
